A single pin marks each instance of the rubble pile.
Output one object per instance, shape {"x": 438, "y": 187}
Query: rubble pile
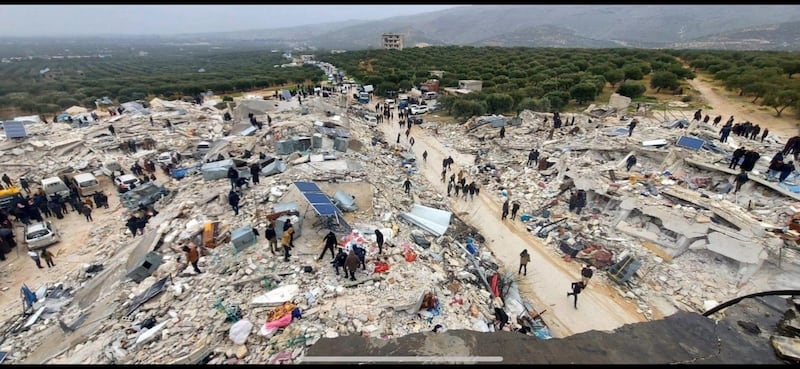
{"x": 177, "y": 316}
{"x": 673, "y": 211}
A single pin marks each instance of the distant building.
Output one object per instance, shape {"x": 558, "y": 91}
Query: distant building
{"x": 337, "y": 51}
{"x": 422, "y": 44}
{"x": 392, "y": 41}
{"x": 44, "y": 71}
{"x": 437, "y": 73}
{"x": 431, "y": 85}
{"x": 143, "y": 53}
{"x": 470, "y": 84}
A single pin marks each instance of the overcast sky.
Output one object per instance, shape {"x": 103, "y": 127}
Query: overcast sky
{"x": 87, "y": 20}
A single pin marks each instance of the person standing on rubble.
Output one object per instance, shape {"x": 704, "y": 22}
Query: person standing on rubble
{"x": 717, "y": 119}
{"x": 631, "y": 126}
{"x": 737, "y": 154}
{"x": 786, "y": 170}
{"x": 503, "y": 132}
{"x": 580, "y": 201}
{"x": 586, "y": 275}
{"x": 286, "y": 241}
{"x": 756, "y": 131}
{"x": 379, "y": 241}
{"x": 501, "y": 318}
{"x": 351, "y": 264}
{"x": 577, "y": 287}
{"x": 750, "y": 159}
{"x": 339, "y": 261}
{"x": 764, "y": 135}
{"x": 725, "y": 131}
{"x": 533, "y": 156}
{"x": 192, "y": 256}
{"x": 7, "y": 180}
{"x": 449, "y": 185}
{"x": 271, "y": 237}
{"x": 425, "y": 156}
{"x": 472, "y": 188}
{"x": 233, "y": 200}
{"x": 233, "y": 175}
{"x": 514, "y": 209}
{"x": 706, "y": 118}
{"x": 407, "y": 186}
{"x": 329, "y": 242}
{"x": 255, "y": 169}
{"x": 505, "y": 210}
{"x": 630, "y": 162}
{"x": 112, "y": 130}
{"x": 740, "y": 179}
{"x": 398, "y": 138}
{"x": 698, "y": 115}
{"x": 524, "y": 259}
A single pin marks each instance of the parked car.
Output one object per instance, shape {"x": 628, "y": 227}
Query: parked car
{"x": 143, "y": 196}
{"x": 165, "y": 158}
{"x": 419, "y": 109}
{"x": 40, "y": 235}
{"x": 111, "y": 169}
{"x": 125, "y": 182}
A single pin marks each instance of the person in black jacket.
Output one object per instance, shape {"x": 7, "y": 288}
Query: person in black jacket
{"x": 233, "y": 200}
{"x": 254, "y": 170}
{"x": 338, "y": 261}
{"x": 272, "y": 237}
{"x": 379, "y": 240}
{"x": 504, "y": 215}
{"x": 330, "y": 243}
{"x": 233, "y": 176}
{"x": 586, "y": 275}
{"x": 737, "y": 154}
{"x": 577, "y": 287}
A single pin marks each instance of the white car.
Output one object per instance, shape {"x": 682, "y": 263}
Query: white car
{"x": 125, "y": 181}
{"x": 419, "y": 109}
{"x": 165, "y": 158}
{"x": 40, "y": 235}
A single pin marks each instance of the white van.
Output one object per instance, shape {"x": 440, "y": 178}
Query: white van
{"x": 86, "y": 183}
{"x": 55, "y": 185}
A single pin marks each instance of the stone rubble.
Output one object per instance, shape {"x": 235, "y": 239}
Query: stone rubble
{"x": 191, "y": 318}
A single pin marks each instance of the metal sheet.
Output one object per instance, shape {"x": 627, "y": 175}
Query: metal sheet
{"x": 307, "y": 187}
{"x": 286, "y": 95}
{"x": 151, "y": 292}
{"x": 317, "y": 198}
{"x": 432, "y": 220}
{"x": 690, "y": 142}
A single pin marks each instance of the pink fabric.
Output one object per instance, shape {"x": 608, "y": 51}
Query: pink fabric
{"x": 280, "y": 323}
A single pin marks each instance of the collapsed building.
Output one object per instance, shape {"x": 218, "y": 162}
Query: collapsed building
{"x": 667, "y": 233}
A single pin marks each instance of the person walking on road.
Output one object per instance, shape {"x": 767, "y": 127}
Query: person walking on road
{"x": 48, "y": 258}
{"x": 524, "y": 259}
{"x": 586, "y": 275}
{"x": 425, "y": 156}
{"x": 505, "y": 210}
{"x": 330, "y": 243}
{"x": 36, "y": 259}
{"x": 514, "y": 209}
{"x": 87, "y": 212}
{"x": 577, "y": 287}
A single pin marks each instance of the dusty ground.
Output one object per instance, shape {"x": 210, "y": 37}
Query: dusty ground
{"x": 70, "y": 253}
{"x": 727, "y": 103}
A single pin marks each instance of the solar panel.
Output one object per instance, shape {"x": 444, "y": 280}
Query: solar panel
{"x": 307, "y": 187}
{"x": 14, "y": 129}
{"x": 316, "y": 198}
{"x": 689, "y": 142}
{"x": 325, "y": 209}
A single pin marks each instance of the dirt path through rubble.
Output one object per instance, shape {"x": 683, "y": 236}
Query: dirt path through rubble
{"x": 599, "y": 307}
{"x": 742, "y": 109}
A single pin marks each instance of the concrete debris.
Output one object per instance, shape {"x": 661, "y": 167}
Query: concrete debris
{"x": 696, "y": 242}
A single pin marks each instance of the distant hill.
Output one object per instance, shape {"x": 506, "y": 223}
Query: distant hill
{"x": 782, "y": 36}
{"x": 576, "y": 26}
{"x": 545, "y": 36}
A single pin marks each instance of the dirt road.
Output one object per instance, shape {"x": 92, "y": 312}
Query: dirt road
{"x": 742, "y": 109}
{"x": 549, "y": 277}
